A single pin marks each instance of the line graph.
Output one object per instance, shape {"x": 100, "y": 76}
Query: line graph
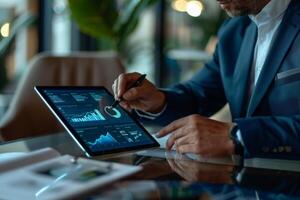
{"x": 107, "y": 139}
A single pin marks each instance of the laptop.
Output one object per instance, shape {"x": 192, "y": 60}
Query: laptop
{"x": 97, "y": 128}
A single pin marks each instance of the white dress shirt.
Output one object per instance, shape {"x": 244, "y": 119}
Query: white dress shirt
{"x": 149, "y": 115}
{"x": 267, "y": 22}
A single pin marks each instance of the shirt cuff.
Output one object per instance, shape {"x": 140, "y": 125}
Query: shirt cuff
{"x": 239, "y": 137}
{"x": 149, "y": 115}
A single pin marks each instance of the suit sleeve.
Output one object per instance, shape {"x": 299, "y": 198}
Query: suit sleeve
{"x": 271, "y": 136}
{"x": 203, "y": 94}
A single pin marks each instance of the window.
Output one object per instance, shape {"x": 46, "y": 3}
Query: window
{"x": 24, "y": 46}
{"x": 17, "y": 47}
{"x": 61, "y": 27}
{"x": 191, "y": 28}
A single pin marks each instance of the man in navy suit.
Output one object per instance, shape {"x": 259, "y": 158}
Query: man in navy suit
{"x": 255, "y": 68}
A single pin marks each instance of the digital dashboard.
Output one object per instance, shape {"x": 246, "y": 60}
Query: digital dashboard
{"x": 86, "y": 112}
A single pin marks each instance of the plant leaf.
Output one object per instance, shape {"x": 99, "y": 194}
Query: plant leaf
{"x": 103, "y": 19}
{"x": 95, "y": 17}
{"x": 128, "y": 20}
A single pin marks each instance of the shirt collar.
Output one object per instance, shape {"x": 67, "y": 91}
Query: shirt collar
{"x": 272, "y": 11}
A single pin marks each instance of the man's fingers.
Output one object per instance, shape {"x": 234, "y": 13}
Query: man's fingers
{"x": 186, "y": 139}
{"x": 133, "y": 94}
{"x": 115, "y": 89}
{"x": 121, "y": 85}
{"x": 125, "y": 105}
{"x": 177, "y": 167}
{"x": 179, "y": 133}
{"x": 172, "y": 127}
{"x": 171, "y": 163}
{"x": 188, "y": 148}
{"x": 124, "y": 81}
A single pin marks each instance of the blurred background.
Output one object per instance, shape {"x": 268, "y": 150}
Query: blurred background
{"x": 167, "y": 39}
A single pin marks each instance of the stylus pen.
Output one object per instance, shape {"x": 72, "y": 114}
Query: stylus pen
{"x": 138, "y": 82}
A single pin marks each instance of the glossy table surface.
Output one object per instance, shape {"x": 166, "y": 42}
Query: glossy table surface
{"x": 175, "y": 178}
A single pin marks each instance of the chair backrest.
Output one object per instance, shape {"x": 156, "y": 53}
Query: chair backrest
{"x": 28, "y": 116}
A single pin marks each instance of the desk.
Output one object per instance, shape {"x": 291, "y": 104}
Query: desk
{"x": 163, "y": 179}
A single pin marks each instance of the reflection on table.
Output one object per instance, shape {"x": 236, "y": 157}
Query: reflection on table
{"x": 183, "y": 190}
{"x": 176, "y": 178}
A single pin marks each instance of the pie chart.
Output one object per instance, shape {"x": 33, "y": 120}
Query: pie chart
{"x": 113, "y": 112}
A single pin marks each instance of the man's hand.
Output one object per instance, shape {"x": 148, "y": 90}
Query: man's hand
{"x": 145, "y": 97}
{"x": 200, "y": 135}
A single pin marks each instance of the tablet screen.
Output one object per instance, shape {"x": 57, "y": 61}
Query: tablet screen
{"x": 100, "y": 129}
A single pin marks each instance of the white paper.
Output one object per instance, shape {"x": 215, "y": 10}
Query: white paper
{"x": 162, "y": 141}
{"x": 11, "y": 161}
{"x": 60, "y": 178}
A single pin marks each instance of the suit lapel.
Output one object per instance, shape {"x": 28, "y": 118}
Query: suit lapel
{"x": 241, "y": 74}
{"x": 284, "y": 39}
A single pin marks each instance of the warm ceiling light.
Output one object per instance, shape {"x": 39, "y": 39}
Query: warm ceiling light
{"x": 5, "y": 30}
{"x": 194, "y": 8}
{"x": 179, "y": 5}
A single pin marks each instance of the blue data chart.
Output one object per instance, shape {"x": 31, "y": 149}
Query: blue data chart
{"x": 56, "y": 99}
{"x": 96, "y": 96}
{"x": 80, "y": 97}
{"x": 136, "y": 135}
{"x": 103, "y": 140}
{"x": 100, "y": 126}
{"x": 112, "y": 112}
{"x": 94, "y": 115}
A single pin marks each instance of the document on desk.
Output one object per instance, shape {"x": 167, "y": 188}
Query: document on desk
{"x": 49, "y": 175}
{"x": 172, "y": 154}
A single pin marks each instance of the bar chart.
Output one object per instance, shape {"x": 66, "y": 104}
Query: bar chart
{"x": 94, "y": 115}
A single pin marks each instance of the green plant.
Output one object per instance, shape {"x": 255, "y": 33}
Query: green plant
{"x": 6, "y": 43}
{"x": 108, "y": 20}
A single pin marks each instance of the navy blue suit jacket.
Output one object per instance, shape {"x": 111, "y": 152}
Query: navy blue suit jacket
{"x": 270, "y": 121}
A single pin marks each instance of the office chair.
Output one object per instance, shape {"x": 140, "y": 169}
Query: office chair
{"x": 28, "y": 116}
